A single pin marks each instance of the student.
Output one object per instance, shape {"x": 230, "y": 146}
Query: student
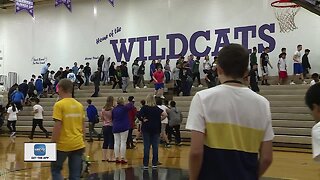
{"x": 100, "y": 63}
{"x": 315, "y": 79}
{"x": 196, "y": 71}
{"x": 175, "y": 120}
{"x": 158, "y": 78}
{"x": 31, "y": 89}
{"x": 206, "y": 64}
{"x": 105, "y": 71}
{"x": 108, "y": 139}
{"x": 80, "y": 76}
{"x": 210, "y": 78}
{"x": 18, "y": 99}
{"x": 305, "y": 63}
{"x": 95, "y": 78}
{"x": 125, "y": 76}
{"x": 312, "y": 101}
{"x": 152, "y": 69}
{"x": 253, "y": 57}
{"x": 186, "y": 79}
{"x": 45, "y": 69}
{"x": 118, "y": 78}
{"x": 132, "y": 118}
{"x": 138, "y": 122}
{"x": 112, "y": 73}
{"x": 68, "y": 132}
{"x": 141, "y": 73}
{"x": 151, "y": 116}
{"x": 23, "y": 88}
{"x": 12, "y": 89}
{"x": 167, "y": 71}
{"x": 176, "y": 78}
{"x": 73, "y": 78}
{"x": 65, "y": 73}
{"x": 282, "y": 69}
{"x": 12, "y": 119}
{"x": 297, "y": 65}
{"x": 121, "y": 126}
{"x": 264, "y": 62}
{"x": 39, "y": 86}
{"x": 38, "y": 118}
{"x": 164, "y": 123}
{"x": 135, "y": 69}
{"x": 254, "y": 78}
{"x": 93, "y": 118}
{"x": 2, "y": 115}
{"x": 246, "y": 151}
{"x": 75, "y": 68}
{"x": 87, "y": 73}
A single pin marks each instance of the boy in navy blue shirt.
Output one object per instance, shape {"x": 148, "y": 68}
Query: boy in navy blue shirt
{"x": 93, "y": 118}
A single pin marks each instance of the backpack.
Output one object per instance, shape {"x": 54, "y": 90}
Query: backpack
{"x": 175, "y": 117}
{"x": 92, "y": 77}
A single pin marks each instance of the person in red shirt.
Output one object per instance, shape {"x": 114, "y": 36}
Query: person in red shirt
{"x": 158, "y": 78}
{"x": 132, "y": 118}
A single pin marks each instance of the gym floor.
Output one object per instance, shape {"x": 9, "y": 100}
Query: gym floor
{"x": 286, "y": 165}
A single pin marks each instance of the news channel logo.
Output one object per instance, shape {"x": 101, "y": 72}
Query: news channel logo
{"x": 40, "y": 149}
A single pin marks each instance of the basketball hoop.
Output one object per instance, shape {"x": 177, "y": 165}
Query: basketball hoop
{"x": 285, "y": 11}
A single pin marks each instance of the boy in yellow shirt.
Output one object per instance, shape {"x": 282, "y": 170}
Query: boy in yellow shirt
{"x": 68, "y": 132}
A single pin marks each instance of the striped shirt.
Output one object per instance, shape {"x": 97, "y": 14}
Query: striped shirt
{"x": 235, "y": 121}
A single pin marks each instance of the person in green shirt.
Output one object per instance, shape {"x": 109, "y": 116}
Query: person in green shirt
{"x": 196, "y": 72}
{"x": 253, "y": 57}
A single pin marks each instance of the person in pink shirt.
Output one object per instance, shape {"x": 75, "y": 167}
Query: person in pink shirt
{"x": 108, "y": 139}
{"x": 158, "y": 78}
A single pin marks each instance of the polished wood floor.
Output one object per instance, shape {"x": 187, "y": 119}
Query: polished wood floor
{"x": 286, "y": 165}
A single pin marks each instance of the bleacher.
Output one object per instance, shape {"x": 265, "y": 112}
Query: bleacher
{"x": 291, "y": 119}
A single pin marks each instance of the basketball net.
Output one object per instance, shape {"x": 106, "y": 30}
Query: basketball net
{"x": 285, "y": 12}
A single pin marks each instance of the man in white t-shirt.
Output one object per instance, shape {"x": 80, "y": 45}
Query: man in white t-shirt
{"x": 282, "y": 69}
{"x": 73, "y": 79}
{"x": 231, "y": 132}
{"x": 38, "y": 119}
{"x": 164, "y": 123}
{"x": 313, "y": 102}
{"x": 297, "y": 65}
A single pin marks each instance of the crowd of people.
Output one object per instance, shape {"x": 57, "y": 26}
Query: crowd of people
{"x": 301, "y": 67}
{"x": 120, "y": 117}
{"x": 157, "y": 118}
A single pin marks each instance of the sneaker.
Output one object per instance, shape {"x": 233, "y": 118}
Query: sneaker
{"x": 159, "y": 163}
{"x": 179, "y": 144}
{"x": 192, "y": 86}
{"x": 154, "y": 167}
{"x": 137, "y": 87}
{"x": 200, "y": 85}
{"x": 145, "y": 87}
{"x": 162, "y": 97}
{"x": 304, "y": 82}
{"x": 167, "y": 146}
{"x": 12, "y": 134}
{"x": 145, "y": 167}
{"x": 135, "y": 140}
{"x": 292, "y": 83}
{"x": 154, "y": 95}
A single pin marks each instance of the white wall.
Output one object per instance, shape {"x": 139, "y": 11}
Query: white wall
{"x": 65, "y": 37}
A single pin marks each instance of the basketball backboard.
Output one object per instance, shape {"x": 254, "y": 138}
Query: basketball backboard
{"x": 311, "y": 5}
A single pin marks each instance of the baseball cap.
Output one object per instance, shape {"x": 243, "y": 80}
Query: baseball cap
{"x": 131, "y": 99}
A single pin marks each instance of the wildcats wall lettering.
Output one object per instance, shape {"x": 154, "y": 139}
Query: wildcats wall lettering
{"x": 123, "y": 47}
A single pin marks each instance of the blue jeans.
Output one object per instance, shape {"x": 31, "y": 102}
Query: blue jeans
{"x": 148, "y": 140}
{"x": 87, "y": 76}
{"x": 74, "y": 162}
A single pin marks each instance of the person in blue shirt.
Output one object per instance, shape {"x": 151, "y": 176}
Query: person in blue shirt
{"x": 92, "y": 114}
{"x": 18, "y": 99}
{"x": 75, "y": 68}
{"x": 45, "y": 69}
{"x": 39, "y": 86}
